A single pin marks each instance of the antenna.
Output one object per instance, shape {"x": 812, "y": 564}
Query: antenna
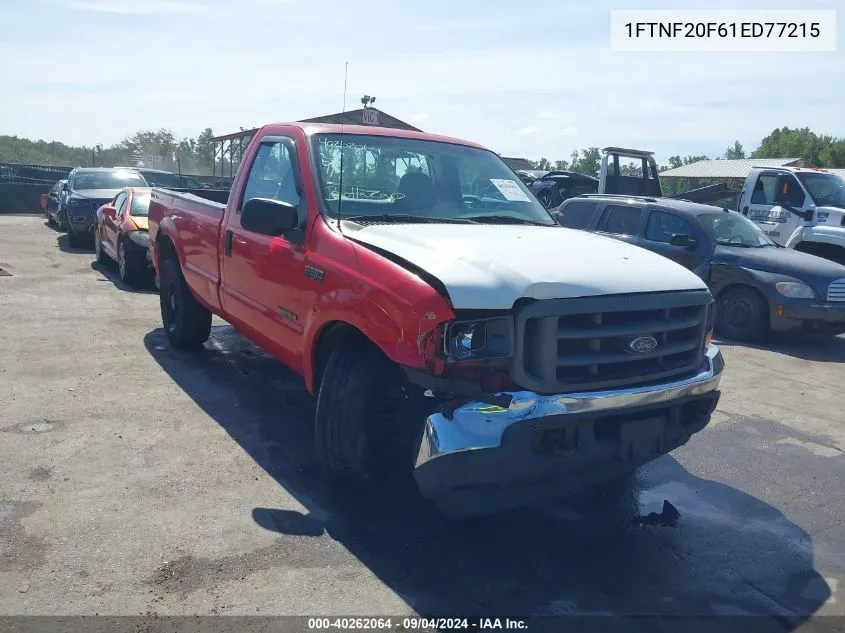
{"x": 340, "y": 182}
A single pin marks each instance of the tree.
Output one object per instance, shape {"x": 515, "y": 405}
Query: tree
{"x": 821, "y": 150}
{"x": 587, "y": 161}
{"x": 543, "y": 164}
{"x": 735, "y": 152}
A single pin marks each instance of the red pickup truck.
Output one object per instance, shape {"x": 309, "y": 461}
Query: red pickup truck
{"x": 445, "y": 322}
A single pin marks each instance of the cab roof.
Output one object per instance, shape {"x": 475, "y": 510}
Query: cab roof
{"x": 311, "y": 129}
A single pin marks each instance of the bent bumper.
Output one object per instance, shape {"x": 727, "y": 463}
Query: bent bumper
{"x": 801, "y": 314}
{"x": 487, "y": 458}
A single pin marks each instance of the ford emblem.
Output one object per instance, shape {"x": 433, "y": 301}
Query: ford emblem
{"x": 642, "y": 345}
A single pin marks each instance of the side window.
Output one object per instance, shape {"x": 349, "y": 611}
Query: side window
{"x": 620, "y": 220}
{"x": 577, "y": 215}
{"x": 662, "y": 226}
{"x": 271, "y": 175}
{"x": 791, "y": 191}
{"x": 120, "y": 202}
{"x": 764, "y": 189}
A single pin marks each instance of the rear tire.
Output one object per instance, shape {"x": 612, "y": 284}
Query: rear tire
{"x": 742, "y": 315}
{"x": 186, "y": 322}
{"x": 365, "y": 423}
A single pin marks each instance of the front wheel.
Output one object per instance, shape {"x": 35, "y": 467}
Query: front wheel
{"x": 742, "y": 315}
{"x": 74, "y": 239}
{"x": 99, "y": 253}
{"x": 187, "y": 322}
{"x": 545, "y": 199}
{"x": 129, "y": 264}
{"x": 365, "y": 420}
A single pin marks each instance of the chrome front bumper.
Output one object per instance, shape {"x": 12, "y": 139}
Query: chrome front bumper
{"x": 484, "y": 446}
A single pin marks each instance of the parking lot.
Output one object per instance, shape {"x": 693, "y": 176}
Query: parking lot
{"x": 135, "y": 479}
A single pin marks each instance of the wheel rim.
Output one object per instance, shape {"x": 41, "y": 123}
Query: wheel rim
{"x": 545, "y": 200}
{"x": 170, "y": 301}
{"x": 121, "y": 261}
{"x": 738, "y": 313}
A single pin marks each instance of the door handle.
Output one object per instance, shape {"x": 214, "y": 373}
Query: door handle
{"x": 228, "y": 247}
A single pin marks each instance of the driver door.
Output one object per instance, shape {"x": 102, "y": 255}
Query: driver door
{"x": 111, "y": 225}
{"x": 764, "y": 208}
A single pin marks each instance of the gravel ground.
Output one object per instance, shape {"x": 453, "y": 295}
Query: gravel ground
{"x": 138, "y": 480}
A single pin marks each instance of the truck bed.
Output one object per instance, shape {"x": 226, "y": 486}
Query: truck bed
{"x": 197, "y": 221}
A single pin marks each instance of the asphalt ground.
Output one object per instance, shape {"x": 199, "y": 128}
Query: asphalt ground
{"x": 135, "y": 479}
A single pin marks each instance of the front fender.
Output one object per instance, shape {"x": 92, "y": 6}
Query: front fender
{"x": 832, "y": 234}
{"x": 400, "y": 316}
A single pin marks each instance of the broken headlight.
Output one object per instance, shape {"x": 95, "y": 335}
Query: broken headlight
{"x": 479, "y": 339}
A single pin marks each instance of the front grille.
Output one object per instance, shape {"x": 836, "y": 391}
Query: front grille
{"x": 566, "y": 345}
{"x": 836, "y": 291}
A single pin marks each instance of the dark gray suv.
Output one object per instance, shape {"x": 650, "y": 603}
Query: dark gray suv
{"x": 87, "y": 189}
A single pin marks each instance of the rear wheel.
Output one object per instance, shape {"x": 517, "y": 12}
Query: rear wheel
{"x": 742, "y": 315}
{"x": 187, "y": 322}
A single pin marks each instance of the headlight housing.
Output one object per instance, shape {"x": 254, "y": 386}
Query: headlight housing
{"x": 479, "y": 339}
{"x": 141, "y": 238}
{"x": 795, "y": 290}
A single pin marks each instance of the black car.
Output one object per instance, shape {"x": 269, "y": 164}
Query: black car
{"x": 758, "y": 285}
{"x": 53, "y": 204}
{"x": 87, "y": 189}
{"x": 554, "y": 187}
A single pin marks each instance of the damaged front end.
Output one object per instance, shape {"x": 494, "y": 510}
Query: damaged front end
{"x": 546, "y": 401}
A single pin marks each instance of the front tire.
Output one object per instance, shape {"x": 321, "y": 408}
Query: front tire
{"x": 74, "y": 239}
{"x": 129, "y": 266}
{"x": 742, "y": 315}
{"x": 187, "y": 322}
{"x": 99, "y": 253}
{"x": 364, "y": 421}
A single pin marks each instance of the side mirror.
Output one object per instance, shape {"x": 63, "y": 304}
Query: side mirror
{"x": 686, "y": 241}
{"x": 65, "y": 187}
{"x": 109, "y": 211}
{"x": 268, "y": 217}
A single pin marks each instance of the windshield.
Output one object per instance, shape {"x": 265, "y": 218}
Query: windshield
{"x": 140, "y": 204}
{"x": 107, "y": 180}
{"x": 732, "y": 229}
{"x": 400, "y": 179}
{"x": 165, "y": 179}
{"x": 826, "y": 190}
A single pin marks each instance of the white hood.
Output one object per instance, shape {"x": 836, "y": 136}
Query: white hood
{"x": 488, "y": 267}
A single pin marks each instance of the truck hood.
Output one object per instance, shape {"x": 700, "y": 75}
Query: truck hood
{"x": 489, "y": 267}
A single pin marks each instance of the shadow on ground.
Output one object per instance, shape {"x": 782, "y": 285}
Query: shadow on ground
{"x": 65, "y": 246}
{"x": 728, "y": 553}
{"x": 805, "y": 345}
{"x": 110, "y": 273}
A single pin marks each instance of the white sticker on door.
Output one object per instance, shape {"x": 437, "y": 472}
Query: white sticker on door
{"x": 510, "y": 190}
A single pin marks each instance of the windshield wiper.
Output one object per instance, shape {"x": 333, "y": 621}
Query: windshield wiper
{"x": 505, "y": 219}
{"x": 404, "y": 217}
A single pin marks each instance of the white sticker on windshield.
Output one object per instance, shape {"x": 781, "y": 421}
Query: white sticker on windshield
{"x": 510, "y": 190}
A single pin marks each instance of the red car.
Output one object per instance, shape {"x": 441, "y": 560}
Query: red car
{"x": 121, "y": 234}
{"x": 467, "y": 339}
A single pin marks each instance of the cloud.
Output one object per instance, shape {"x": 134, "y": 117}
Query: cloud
{"x": 141, "y": 7}
{"x": 547, "y": 114}
{"x": 568, "y": 131}
{"x": 526, "y": 130}
{"x": 419, "y": 117}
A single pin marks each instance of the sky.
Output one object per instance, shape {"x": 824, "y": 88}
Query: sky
{"x": 530, "y": 80}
